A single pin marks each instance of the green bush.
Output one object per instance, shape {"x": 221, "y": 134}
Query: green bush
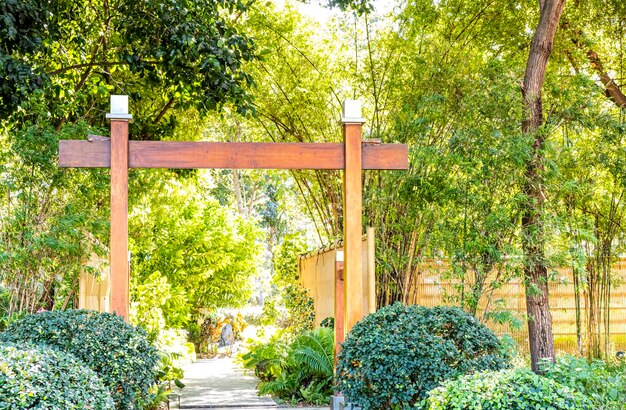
{"x": 44, "y": 378}
{"x": 393, "y": 357}
{"x": 270, "y": 312}
{"x": 605, "y": 384}
{"x": 6, "y": 318}
{"x": 307, "y": 373}
{"x": 506, "y": 390}
{"x": 118, "y": 352}
{"x": 328, "y": 322}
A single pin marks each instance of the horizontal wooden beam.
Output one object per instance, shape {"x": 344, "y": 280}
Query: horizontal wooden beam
{"x": 239, "y": 155}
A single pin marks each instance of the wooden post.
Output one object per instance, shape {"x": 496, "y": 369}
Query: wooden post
{"x": 371, "y": 270}
{"x": 352, "y": 217}
{"x": 339, "y": 303}
{"x": 119, "y": 205}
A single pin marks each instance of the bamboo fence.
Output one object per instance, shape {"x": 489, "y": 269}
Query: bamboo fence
{"x": 432, "y": 290}
{"x": 317, "y": 274}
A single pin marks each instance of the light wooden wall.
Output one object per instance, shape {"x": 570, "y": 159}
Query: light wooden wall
{"x": 95, "y": 291}
{"x": 317, "y": 274}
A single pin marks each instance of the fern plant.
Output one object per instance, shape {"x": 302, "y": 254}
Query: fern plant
{"x": 316, "y": 350}
{"x": 307, "y": 371}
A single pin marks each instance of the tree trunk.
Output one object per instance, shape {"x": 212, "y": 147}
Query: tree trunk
{"x": 613, "y": 91}
{"x": 593, "y": 344}
{"x": 535, "y": 266}
{"x": 579, "y": 339}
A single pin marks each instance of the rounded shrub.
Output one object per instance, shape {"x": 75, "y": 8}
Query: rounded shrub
{"x": 506, "y": 390}
{"x": 393, "y": 357}
{"x": 44, "y": 378}
{"x": 118, "y": 352}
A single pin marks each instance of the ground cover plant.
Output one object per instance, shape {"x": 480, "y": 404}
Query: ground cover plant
{"x": 117, "y": 352}
{"x": 45, "y": 378}
{"x": 266, "y": 358}
{"x": 394, "y": 357}
{"x": 506, "y": 390}
{"x": 602, "y": 382}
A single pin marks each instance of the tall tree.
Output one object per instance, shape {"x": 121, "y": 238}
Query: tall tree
{"x": 533, "y": 237}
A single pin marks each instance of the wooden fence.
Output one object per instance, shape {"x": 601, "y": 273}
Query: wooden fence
{"x": 432, "y": 290}
{"x": 317, "y": 274}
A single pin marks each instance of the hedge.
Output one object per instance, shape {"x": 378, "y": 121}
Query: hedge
{"x": 118, "y": 352}
{"x": 44, "y": 378}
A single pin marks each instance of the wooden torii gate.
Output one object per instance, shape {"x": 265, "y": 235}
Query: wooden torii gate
{"x": 119, "y": 154}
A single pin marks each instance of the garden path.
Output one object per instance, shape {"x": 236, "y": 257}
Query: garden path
{"x": 220, "y": 384}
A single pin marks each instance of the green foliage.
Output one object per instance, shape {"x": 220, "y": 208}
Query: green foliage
{"x": 443, "y": 76}
{"x": 199, "y": 60}
{"x": 174, "y": 353}
{"x": 150, "y": 298}
{"x": 300, "y": 309}
{"x": 53, "y": 223}
{"x": 328, "y": 322}
{"x": 192, "y": 253}
{"x": 44, "y": 378}
{"x": 177, "y": 61}
{"x": 22, "y": 30}
{"x": 173, "y": 350}
{"x": 118, "y": 352}
{"x": 457, "y": 109}
{"x": 168, "y": 374}
{"x": 167, "y": 55}
{"x": 393, "y": 357}
{"x": 167, "y": 371}
{"x": 299, "y": 372}
{"x": 266, "y": 359}
{"x": 6, "y": 317}
{"x": 285, "y": 260}
{"x": 506, "y": 390}
{"x": 269, "y": 313}
{"x": 315, "y": 349}
{"x": 604, "y": 384}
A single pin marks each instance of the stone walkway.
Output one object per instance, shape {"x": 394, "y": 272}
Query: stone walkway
{"x": 220, "y": 384}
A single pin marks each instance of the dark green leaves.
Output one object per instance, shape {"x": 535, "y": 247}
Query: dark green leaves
{"x": 393, "y": 357}
{"x": 506, "y": 390}
{"x": 188, "y": 48}
{"x": 118, "y": 352}
{"x": 44, "y": 378}
{"x": 188, "y": 52}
